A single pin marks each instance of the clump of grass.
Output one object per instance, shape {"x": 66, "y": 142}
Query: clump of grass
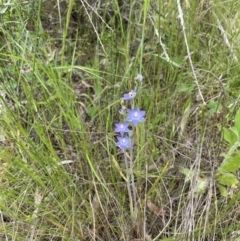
{"x": 62, "y": 177}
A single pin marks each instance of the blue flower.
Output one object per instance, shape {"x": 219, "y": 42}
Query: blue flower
{"x": 130, "y": 95}
{"x": 135, "y": 116}
{"x": 123, "y": 142}
{"x": 122, "y": 128}
{"x": 139, "y": 77}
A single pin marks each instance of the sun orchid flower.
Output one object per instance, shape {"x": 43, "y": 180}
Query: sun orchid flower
{"x": 135, "y": 116}
{"x": 129, "y": 95}
{"x": 123, "y": 142}
{"x": 121, "y": 128}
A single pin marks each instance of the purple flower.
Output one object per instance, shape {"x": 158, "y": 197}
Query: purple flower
{"x": 135, "y": 115}
{"x": 123, "y": 142}
{"x": 122, "y": 128}
{"x": 129, "y": 95}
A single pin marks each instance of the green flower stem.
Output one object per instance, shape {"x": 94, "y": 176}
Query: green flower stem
{"x": 132, "y": 184}
{"x": 128, "y": 183}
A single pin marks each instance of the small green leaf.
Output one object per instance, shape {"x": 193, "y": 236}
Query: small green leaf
{"x": 201, "y": 185}
{"x": 235, "y": 131}
{"x": 91, "y": 111}
{"x": 237, "y": 121}
{"x": 228, "y": 179}
{"x": 223, "y": 190}
{"x": 231, "y": 164}
{"x": 188, "y": 174}
{"x": 229, "y": 136}
{"x": 13, "y": 83}
{"x": 214, "y": 106}
{"x": 185, "y": 87}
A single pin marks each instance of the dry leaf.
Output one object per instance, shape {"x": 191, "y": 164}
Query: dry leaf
{"x": 185, "y": 118}
{"x": 155, "y": 209}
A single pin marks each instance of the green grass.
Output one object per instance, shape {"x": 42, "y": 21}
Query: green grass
{"x": 62, "y": 78}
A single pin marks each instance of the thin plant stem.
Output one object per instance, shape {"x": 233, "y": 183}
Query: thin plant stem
{"x": 188, "y": 50}
{"x": 132, "y": 184}
{"x": 128, "y": 183}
